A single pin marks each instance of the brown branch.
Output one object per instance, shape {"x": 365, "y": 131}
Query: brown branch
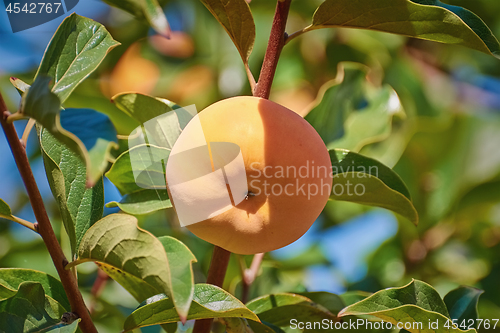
{"x": 249, "y": 275}
{"x": 44, "y": 227}
{"x": 274, "y": 47}
{"x": 216, "y": 274}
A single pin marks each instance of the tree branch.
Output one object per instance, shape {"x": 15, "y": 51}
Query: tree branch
{"x": 45, "y": 230}
{"x": 274, "y": 47}
{"x": 216, "y": 274}
{"x": 19, "y": 220}
{"x": 249, "y": 275}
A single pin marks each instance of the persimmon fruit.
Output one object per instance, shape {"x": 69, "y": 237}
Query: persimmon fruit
{"x": 288, "y": 173}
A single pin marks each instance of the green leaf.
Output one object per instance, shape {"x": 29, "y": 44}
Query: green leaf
{"x": 156, "y": 17}
{"x": 97, "y": 133}
{"x": 329, "y": 301}
{"x": 29, "y": 310}
{"x": 351, "y": 297}
{"x": 264, "y": 327}
{"x": 80, "y": 206}
{"x": 425, "y": 19}
{"x": 142, "y": 107}
{"x": 311, "y": 256}
{"x": 242, "y": 325}
{"x": 344, "y": 161}
{"x": 236, "y": 18}
{"x": 363, "y": 180}
{"x": 91, "y": 142}
{"x": 63, "y": 328}
{"x": 279, "y": 309}
{"x": 180, "y": 260}
{"x": 143, "y": 202}
{"x": 139, "y": 289}
{"x": 350, "y": 112}
{"x": 19, "y": 84}
{"x": 462, "y": 304}
{"x": 12, "y": 278}
{"x": 139, "y": 173}
{"x": 142, "y": 167}
{"x": 75, "y": 51}
{"x": 148, "y": 10}
{"x": 119, "y": 245}
{"x": 6, "y": 213}
{"x": 208, "y": 302}
{"x": 416, "y": 302}
{"x": 40, "y": 103}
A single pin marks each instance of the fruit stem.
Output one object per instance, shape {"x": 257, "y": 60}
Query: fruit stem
{"x": 44, "y": 228}
{"x": 274, "y": 47}
{"x": 216, "y": 274}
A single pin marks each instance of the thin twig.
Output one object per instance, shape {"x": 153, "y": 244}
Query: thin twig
{"x": 13, "y": 117}
{"x": 27, "y": 131}
{"x": 45, "y": 230}
{"x": 297, "y": 34}
{"x": 19, "y": 220}
{"x": 274, "y": 47}
{"x": 249, "y": 275}
{"x": 216, "y": 274}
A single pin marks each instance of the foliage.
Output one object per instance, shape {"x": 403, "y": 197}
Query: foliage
{"x": 400, "y": 118}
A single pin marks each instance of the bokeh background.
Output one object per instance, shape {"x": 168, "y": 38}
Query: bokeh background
{"x": 446, "y": 147}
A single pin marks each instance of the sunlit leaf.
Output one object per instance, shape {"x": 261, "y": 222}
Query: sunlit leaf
{"x": 180, "y": 260}
{"x": 279, "y": 309}
{"x": 148, "y": 10}
{"x": 142, "y": 107}
{"x": 350, "y": 112}
{"x": 140, "y": 168}
{"x": 80, "y": 206}
{"x": 462, "y": 304}
{"x": 236, "y": 18}
{"x": 29, "y": 310}
{"x": 368, "y": 190}
{"x": 92, "y": 142}
{"x": 344, "y": 161}
{"x": 425, "y": 19}
{"x": 365, "y": 181}
{"x": 75, "y": 51}
{"x": 136, "y": 259}
{"x": 97, "y": 133}
{"x": 11, "y": 279}
{"x": 143, "y": 202}
{"x": 208, "y": 302}
{"x": 416, "y": 302}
